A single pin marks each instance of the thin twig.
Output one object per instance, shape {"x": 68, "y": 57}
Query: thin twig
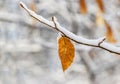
{"x": 101, "y": 41}
{"x": 55, "y": 23}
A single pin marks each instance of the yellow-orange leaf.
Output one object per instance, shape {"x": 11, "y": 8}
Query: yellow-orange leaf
{"x": 83, "y": 7}
{"x": 100, "y": 5}
{"x": 99, "y": 19}
{"x": 66, "y": 52}
{"x": 109, "y": 33}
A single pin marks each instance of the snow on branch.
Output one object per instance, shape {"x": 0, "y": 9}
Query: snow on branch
{"x": 80, "y": 40}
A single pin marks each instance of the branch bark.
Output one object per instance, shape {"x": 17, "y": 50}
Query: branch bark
{"x": 100, "y": 43}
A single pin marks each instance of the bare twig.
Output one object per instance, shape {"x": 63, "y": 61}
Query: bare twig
{"x": 101, "y": 41}
{"x": 80, "y": 40}
{"x": 55, "y": 23}
{"x": 53, "y": 19}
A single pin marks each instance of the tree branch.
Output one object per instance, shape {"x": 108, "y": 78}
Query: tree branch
{"x": 80, "y": 40}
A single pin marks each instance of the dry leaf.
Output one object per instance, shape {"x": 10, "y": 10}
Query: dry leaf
{"x": 66, "y": 52}
{"x": 109, "y": 33}
{"x": 99, "y": 19}
{"x": 83, "y": 7}
{"x": 100, "y": 5}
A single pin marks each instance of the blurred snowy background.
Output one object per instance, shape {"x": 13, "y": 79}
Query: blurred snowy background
{"x": 28, "y": 49}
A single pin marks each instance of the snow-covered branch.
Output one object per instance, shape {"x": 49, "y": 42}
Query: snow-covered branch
{"x": 80, "y": 40}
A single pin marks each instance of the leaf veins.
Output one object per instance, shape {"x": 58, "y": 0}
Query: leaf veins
{"x": 66, "y": 52}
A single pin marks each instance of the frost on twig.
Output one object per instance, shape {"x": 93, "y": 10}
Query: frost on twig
{"x": 80, "y": 40}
